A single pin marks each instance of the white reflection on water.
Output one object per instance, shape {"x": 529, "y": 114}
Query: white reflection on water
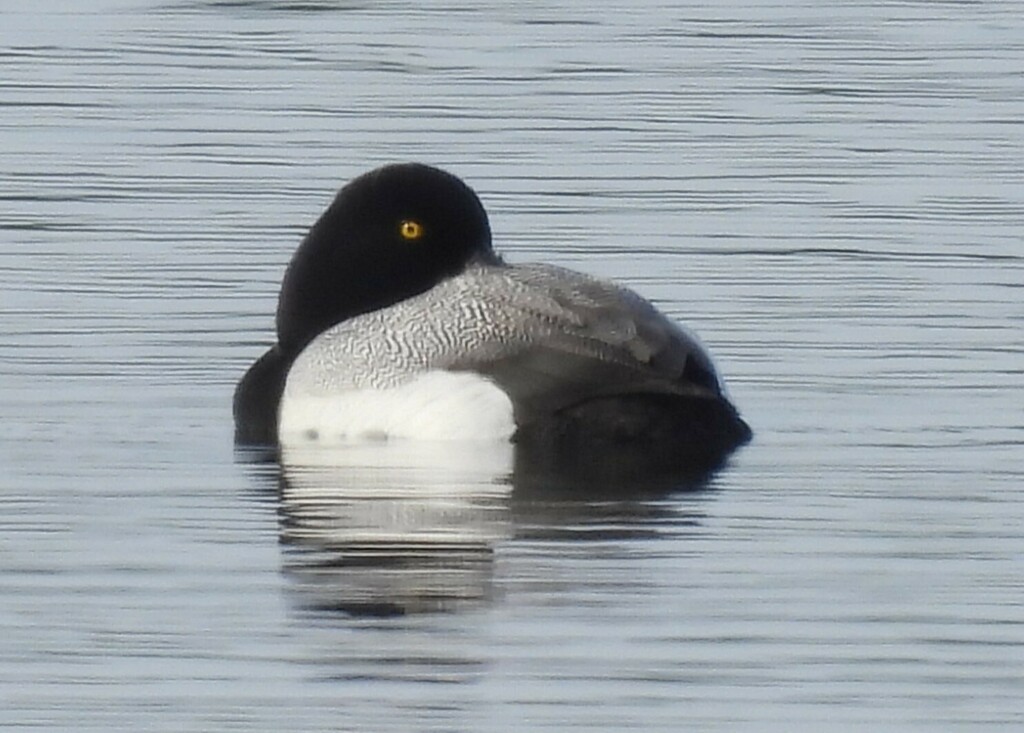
{"x": 375, "y": 528}
{"x": 399, "y": 527}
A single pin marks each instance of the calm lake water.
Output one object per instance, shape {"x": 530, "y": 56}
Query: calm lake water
{"x": 831, "y": 194}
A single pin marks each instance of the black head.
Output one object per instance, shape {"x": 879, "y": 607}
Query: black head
{"x": 390, "y": 234}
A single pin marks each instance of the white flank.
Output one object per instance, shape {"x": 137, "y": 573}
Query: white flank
{"x": 435, "y": 405}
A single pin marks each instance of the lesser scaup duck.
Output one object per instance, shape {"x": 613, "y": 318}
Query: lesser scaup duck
{"x": 397, "y": 319}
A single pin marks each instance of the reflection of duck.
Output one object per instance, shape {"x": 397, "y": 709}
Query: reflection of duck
{"x": 396, "y": 318}
{"x": 373, "y": 528}
{"x": 405, "y": 527}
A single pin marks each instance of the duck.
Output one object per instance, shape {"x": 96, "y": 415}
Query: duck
{"x": 397, "y": 319}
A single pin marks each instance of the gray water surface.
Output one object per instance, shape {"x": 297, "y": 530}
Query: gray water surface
{"x": 830, "y": 194}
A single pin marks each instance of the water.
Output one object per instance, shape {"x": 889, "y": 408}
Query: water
{"x": 831, "y": 195}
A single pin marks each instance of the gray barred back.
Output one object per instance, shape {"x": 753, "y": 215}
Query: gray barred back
{"x": 547, "y": 335}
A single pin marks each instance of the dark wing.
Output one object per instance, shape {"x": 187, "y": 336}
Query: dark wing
{"x": 565, "y": 338}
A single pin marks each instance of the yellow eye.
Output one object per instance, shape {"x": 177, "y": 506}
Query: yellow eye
{"x": 410, "y": 229}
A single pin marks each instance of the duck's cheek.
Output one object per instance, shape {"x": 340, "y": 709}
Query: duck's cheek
{"x": 435, "y": 405}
